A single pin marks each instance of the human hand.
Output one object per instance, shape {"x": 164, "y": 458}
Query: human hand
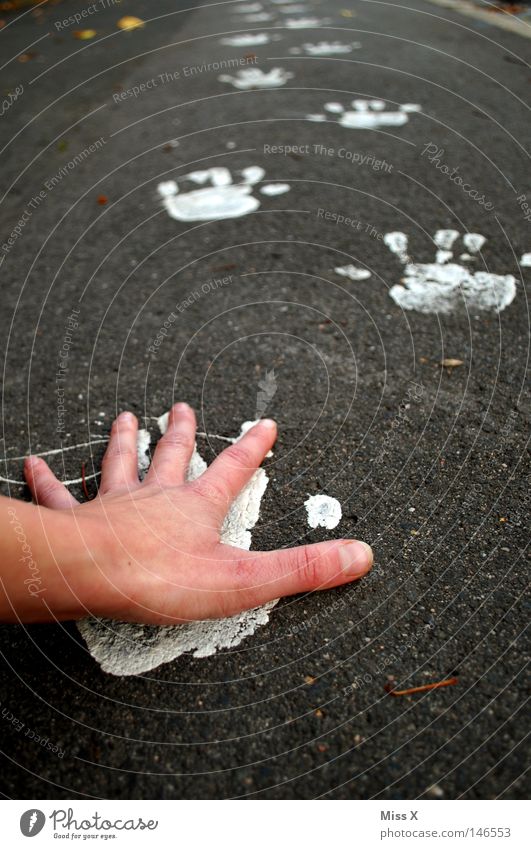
{"x": 151, "y": 550}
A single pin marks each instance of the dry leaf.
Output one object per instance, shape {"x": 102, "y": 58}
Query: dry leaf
{"x": 309, "y": 679}
{"x": 102, "y": 200}
{"x": 84, "y": 34}
{"x": 451, "y": 363}
{"x": 130, "y": 22}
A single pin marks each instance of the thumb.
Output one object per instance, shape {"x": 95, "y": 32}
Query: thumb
{"x": 258, "y": 577}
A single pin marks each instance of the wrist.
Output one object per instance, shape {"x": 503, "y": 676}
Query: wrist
{"x": 55, "y": 564}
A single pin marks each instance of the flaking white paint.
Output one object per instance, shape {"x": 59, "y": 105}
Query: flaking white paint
{"x": 353, "y": 273}
{"x": 442, "y": 286}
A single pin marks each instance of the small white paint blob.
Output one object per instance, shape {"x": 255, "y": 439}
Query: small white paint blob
{"x": 219, "y": 200}
{"x": 249, "y": 78}
{"x": 329, "y": 48}
{"x": 143, "y": 441}
{"x": 367, "y": 114}
{"x": 246, "y": 40}
{"x": 273, "y": 189}
{"x": 525, "y": 262}
{"x": 442, "y": 286}
{"x": 123, "y": 648}
{"x": 473, "y": 242}
{"x": 323, "y": 511}
{"x": 353, "y": 273}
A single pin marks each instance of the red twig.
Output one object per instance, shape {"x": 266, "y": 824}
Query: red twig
{"x": 84, "y": 482}
{"x": 449, "y": 682}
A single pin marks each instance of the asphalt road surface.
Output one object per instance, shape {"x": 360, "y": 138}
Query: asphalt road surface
{"x": 428, "y": 461}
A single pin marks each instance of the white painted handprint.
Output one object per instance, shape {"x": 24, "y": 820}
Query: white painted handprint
{"x": 367, "y": 114}
{"x": 221, "y": 198}
{"x": 124, "y": 648}
{"x": 442, "y": 286}
{"x": 248, "y": 78}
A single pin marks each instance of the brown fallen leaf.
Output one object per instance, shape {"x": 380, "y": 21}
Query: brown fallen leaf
{"x": 27, "y": 57}
{"x": 130, "y": 22}
{"x": 309, "y": 679}
{"x": 449, "y": 362}
{"x": 84, "y": 34}
{"x": 102, "y": 200}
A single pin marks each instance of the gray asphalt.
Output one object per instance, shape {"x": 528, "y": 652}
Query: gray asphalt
{"x": 445, "y": 510}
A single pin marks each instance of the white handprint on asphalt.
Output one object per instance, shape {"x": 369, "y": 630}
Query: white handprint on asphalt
{"x": 442, "y": 286}
{"x": 367, "y": 114}
{"x": 221, "y": 198}
{"x": 249, "y": 78}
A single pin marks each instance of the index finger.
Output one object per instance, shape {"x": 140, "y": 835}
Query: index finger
{"x": 235, "y": 466}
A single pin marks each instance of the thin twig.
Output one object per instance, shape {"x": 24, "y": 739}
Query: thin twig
{"x": 84, "y": 482}
{"x": 449, "y": 682}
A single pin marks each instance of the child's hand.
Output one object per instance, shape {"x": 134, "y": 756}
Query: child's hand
{"x": 150, "y": 551}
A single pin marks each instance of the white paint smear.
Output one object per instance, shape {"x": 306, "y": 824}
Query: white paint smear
{"x": 352, "y": 272}
{"x": 323, "y": 511}
{"x": 328, "y": 48}
{"x": 442, "y": 286}
{"x": 246, "y": 40}
{"x": 221, "y": 199}
{"x": 301, "y": 23}
{"x": 249, "y": 78}
{"x": 526, "y": 260}
{"x": 367, "y": 114}
{"x": 123, "y": 648}
{"x": 272, "y": 189}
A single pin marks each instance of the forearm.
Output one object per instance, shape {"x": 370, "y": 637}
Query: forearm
{"x": 45, "y": 564}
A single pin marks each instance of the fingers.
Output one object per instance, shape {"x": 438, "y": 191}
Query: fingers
{"x": 246, "y": 580}
{"x": 45, "y": 488}
{"x": 174, "y": 451}
{"x": 119, "y": 467}
{"x": 235, "y": 466}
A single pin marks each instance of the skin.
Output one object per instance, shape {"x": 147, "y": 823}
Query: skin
{"x": 150, "y": 551}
